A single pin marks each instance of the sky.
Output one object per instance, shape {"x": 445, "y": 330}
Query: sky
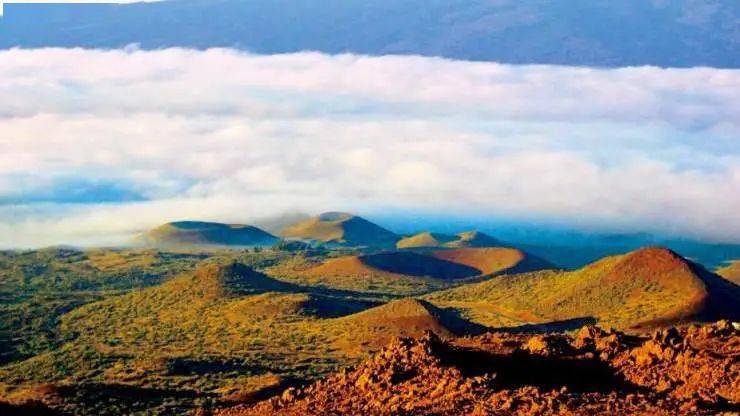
{"x": 69, "y": 1}
{"x": 97, "y": 146}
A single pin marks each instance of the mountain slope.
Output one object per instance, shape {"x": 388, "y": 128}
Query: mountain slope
{"x": 493, "y": 260}
{"x": 651, "y": 286}
{"x": 731, "y": 271}
{"x": 341, "y": 228}
{"x": 405, "y": 272}
{"x": 465, "y": 239}
{"x": 200, "y": 233}
{"x": 679, "y": 33}
{"x": 474, "y": 239}
{"x": 398, "y": 264}
{"x": 374, "y": 328}
{"x": 425, "y": 239}
{"x": 207, "y": 331}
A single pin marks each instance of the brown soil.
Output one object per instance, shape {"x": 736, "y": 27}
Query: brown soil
{"x": 374, "y": 328}
{"x": 488, "y": 260}
{"x": 393, "y": 264}
{"x": 688, "y": 371}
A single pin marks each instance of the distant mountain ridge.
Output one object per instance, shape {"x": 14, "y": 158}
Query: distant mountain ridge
{"x": 679, "y": 33}
{"x": 341, "y": 228}
{"x": 465, "y": 239}
{"x": 202, "y": 233}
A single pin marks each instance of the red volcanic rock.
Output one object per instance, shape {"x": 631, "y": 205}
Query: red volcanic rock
{"x": 687, "y": 371}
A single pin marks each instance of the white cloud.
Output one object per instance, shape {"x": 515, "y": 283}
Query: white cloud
{"x": 225, "y": 135}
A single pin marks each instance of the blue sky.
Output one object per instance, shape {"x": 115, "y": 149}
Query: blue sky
{"x": 93, "y": 153}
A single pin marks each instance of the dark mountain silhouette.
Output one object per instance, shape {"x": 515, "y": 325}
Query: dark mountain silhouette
{"x": 677, "y": 33}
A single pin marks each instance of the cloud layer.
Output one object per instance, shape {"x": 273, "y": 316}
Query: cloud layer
{"x": 97, "y": 145}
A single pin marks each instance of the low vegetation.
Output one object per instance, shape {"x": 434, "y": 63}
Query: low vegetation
{"x": 38, "y": 287}
{"x": 731, "y": 271}
{"x": 340, "y": 228}
{"x": 641, "y": 288}
{"x": 108, "y": 332}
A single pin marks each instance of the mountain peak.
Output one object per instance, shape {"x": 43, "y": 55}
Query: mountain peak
{"x": 464, "y": 239}
{"x": 204, "y": 233}
{"x": 341, "y": 228}
{"x": 335, "y": 216}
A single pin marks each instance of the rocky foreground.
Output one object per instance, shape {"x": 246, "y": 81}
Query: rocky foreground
{"x": 693, "y": 370}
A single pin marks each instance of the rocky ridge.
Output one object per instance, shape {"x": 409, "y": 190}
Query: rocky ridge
{"x": 689, "y": 370}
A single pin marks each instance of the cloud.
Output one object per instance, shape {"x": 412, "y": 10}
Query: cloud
{"x": 225, "y": 135}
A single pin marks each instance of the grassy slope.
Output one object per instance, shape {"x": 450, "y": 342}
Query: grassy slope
{"x": 406, "y": 273}
{"x": 392, "y": 273}
{"x": 349, "y": 273}
{"x": 202, "y": 336}
{"x": 731, "y": 271}
{"x": 474, "y": 239}
{"x": 487, "y": 260}
{"x": 425, "y": 239}
{"x": 205, "y": 332}
{"x": 341, "y": 228}
{"x": 465, "y": 239}
{"x": 621, "y": 291}
{"x": 37, "y": 287}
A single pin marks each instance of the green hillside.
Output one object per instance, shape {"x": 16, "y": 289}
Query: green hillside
{"x": 109, "y": 332}
{"x": 730, "y": 271}
{"x": 642, "y": 288}
{"x": 38, "y": 287}
{"x": 203, "y": 333}
{"x": 403, "y": 272}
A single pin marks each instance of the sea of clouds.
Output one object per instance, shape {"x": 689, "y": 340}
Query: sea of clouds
{"x": 98, "y": 145}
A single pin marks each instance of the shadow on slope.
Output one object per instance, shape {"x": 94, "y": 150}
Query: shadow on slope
{"x": 453, "y": 320}
{"x": 521, "y": 368}
{"x": 418, "y": 265}
{"x": 647, "y": 287}
{"x": 236, "y": 279}
{"x": 493, "y": 260}
{"x": 721, "y": 299}
{"x": 550, "y": 327}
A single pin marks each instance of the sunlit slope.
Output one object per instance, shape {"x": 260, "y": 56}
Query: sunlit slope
{"x": 225, "y": 321}
{"x": 37, "y": 287}
{"x": 646, "y": 287}
{"x": 391, "y": 273}
{"x": 731, "y": 271}
{"x": 425, "y": 239}
{"x": 465, "y": 239}
{"x": 396, "y": 264}
{"x": 341, "y": 228}
{"x": 408, "y": 272}
{"x": 199, "y": 233}
{"x": 474, "y": 239}
{"x": 374, "y": 328}
{"x": 493, "y": 260}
